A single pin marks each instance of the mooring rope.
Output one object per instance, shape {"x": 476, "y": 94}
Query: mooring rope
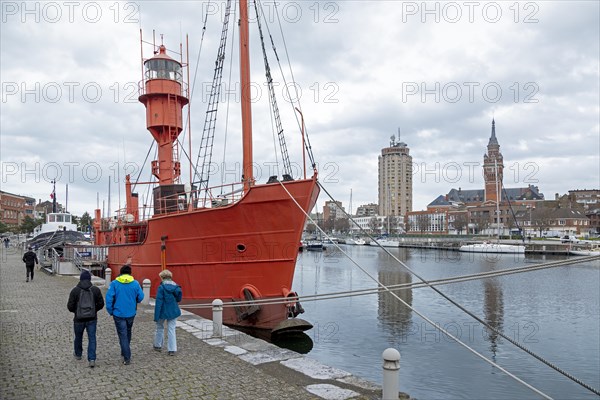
{"x": 461, "y": 307}
{"x": 457, "y": 340}
{"x": 401, "y": 286}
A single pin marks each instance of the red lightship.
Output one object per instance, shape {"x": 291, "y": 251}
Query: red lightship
{"x": 238, "y": 246}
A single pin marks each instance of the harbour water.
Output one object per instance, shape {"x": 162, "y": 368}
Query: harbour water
{"x": 553, "y": 312}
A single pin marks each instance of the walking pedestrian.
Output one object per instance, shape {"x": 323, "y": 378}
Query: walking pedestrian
{"x": 121, "y": 302}
{"x": 166, "y": 309}
{"x": 30, "y": 259}
{"x": 6, "y": 242}
{"x": 85, "y": 300}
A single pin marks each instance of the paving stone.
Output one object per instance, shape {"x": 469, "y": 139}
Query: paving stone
{"x": 36, "y": 354}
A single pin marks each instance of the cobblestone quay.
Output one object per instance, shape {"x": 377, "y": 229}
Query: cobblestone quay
{"x": 36, "y": 354}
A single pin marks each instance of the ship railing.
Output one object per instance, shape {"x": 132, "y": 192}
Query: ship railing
{"x": 55, "y": 259}
{"x": 77, "y": 260}
{"x": 212, "y": 197}
{"x": 142, "y": 86}
{"x": 84, "y": 256}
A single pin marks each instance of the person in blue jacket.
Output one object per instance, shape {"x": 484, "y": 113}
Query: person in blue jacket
{"x": 166, "y": 309}
{"x": 121, "y": 302}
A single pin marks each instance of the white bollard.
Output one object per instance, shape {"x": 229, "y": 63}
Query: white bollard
{"x": 391, "y": 376}
{"x": 146, "y": 290}
{"x": 107, "y": 276}
{"x": 217, "y": 309}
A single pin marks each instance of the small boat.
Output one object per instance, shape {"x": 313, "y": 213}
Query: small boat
{"x": 360, "y": 241}
{"x": 497, "y": 247}
{"x": 56, "y": 231}
{"x": 581, "y": 251}
{"x": 492, "y": 248}
{"x": 386, "y": 242}
{"x": 355, "y": 241}
{"x": 314, "y": 246}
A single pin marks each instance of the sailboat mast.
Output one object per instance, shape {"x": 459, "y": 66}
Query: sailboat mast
{"x": 247, "y": 175}
{"x": 497, "y": 201}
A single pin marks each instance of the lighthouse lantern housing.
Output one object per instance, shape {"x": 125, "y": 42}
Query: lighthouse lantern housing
{"x": 161, "y": 66}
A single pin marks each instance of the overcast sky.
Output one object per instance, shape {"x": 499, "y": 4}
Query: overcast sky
{"x": 438, "y": 71}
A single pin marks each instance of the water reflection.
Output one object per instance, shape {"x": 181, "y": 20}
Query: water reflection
{"x": 493, "y": 310}
{"x": 299, "y": 342}
{"x": 393, "y": 315}
{"x": 554, "y": 310}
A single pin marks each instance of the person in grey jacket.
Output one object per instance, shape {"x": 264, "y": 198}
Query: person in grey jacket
{"x": 166, "y": 309}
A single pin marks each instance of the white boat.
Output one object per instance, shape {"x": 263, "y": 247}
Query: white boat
{"x": 355, "y": 241}
{"x": 497, "y": 247}
{"x": 386, "y": 242}
{"x": 493, "y": 248}
{"x": 58, "y": 230}
{"x": 593, "y": 251}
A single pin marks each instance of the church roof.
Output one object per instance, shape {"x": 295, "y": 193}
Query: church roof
{"x": 493, "y": 139}
{"x": 458, "y": 196}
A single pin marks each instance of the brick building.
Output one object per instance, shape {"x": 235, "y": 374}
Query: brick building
{"x": 14, "y": 208}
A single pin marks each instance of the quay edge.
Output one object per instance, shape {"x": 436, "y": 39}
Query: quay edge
{"x": 36, "y": 354}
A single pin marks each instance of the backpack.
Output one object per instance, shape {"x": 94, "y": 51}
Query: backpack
{"x": 29, "y": 258}
{"x": 86, "y": 305}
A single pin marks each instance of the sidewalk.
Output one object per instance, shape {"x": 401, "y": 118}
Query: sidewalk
{"x": 36, "y": 354}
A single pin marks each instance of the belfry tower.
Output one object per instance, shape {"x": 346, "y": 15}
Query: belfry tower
{"x": 493, "y": 169}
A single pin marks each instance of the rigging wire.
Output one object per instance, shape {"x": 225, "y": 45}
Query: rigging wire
{"x": 276, "y": 118}
{"x": 468, "y": 312}
{"x": 512, "y": 212}
{"x": 307, "y": 145}
{"x": 424, "y": 317}
{"x": 193, "y": 85}
{"x": 405, "y": 286}
{"x": 142, "y": 169}
{"x": 228, "y": 103}
{"x": 273, "y": 130}
{"x": 205, "y": 151}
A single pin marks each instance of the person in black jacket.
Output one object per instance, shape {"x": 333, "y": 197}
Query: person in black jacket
{"x": 87, "y": 324}
{"x": 30, "y": 259}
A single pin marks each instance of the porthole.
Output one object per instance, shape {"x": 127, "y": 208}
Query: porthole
{"x": 241, "y": 247}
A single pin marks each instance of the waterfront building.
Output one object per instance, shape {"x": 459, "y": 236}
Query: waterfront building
{"x": 430, "y": 221}
{"x": 590, "y": 198}
{"x": 594, "y": 217}
{"x": 14, "y": 208}
{"x": 333, "y": 210}
{"x": 395, "y": 180}
{"x": 484, "y": 211}
{"x": 548, "y": 222}
{"x": 367, "y": 210}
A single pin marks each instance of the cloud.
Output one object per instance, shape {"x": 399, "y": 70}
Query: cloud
{"x": 439, "y": 71}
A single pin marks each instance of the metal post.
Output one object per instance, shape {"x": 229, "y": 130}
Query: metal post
{"x": 217, "y": 308}
{"x": 107, "y": 276}
{"x": 146, "y": 290}
{"x": 391, "y": 377}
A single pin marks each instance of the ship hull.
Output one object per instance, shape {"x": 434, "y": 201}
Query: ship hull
{"x": 56, "y": 239}
{"x": 246, "y": 248}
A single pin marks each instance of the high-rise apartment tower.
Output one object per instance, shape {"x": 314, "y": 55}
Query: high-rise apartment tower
{"x": 395, "y": 179}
